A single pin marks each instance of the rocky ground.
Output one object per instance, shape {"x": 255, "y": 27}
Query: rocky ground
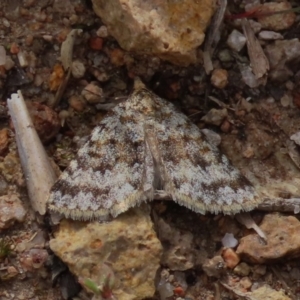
{"x": 244, "y": 87}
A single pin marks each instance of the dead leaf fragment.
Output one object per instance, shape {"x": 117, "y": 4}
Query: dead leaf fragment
{"x": 259, "y": 62}
{"x": 67, "y": 46}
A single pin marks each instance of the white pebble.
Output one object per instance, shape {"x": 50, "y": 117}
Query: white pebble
{"x": 22, "y": 57}
{"x": 78, "y": 69}
{"x": 5, "y": 22}
{"x": 296, "y": 137}
{"x": 102, "y": 31}
{"x": 270, "y": 35}
{"x": 229, "y": 241}
{"x": 165, "y": 289}
{"x": 236, "y": 40}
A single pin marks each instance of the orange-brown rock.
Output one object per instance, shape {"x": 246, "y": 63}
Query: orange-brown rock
{"x": 283, "y": 240}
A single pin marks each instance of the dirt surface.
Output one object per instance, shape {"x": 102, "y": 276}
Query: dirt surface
{"x": 255, "y": 128}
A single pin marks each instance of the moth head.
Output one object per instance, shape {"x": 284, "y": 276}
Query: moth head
{"x": 143, "y": 101}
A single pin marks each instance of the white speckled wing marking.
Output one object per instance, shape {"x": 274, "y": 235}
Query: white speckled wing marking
{"x": 108, "y": 176}
{"x": 198, "y": 175}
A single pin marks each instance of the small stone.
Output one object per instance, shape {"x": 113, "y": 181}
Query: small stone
{"x": 39, "y": 257}
{"x": 197, "y": 78}
{"x": 5, "y": 22}
{"x": 12, "y": 271}
{"x": 286, "y": 100}
{"x": 296, "y": 137}
{"x": 214, "y": 266}
{"x": 117, "y": 57}
{"x": 48, "y": 38}
{"x": 290, "y": 85}
{"x": 78, "y": 69}
{"x": 245, "y": 283}
{"x": 275, "y": 21}
{"x": 93, "y": 93}
{"x": 21, "y": 247}
{"x": 215, "y": 116}
{"x": 32, "y": 59}
{"x": 102, "y": 32}
{"x": 230, "y": 257}
{"x": 74, "y": 19}
{"x": 226, "y": 126}
{"x": 14, "y": 48}
{"x": 255, "y": 26}
{"x": 282, "y": 54}
{"x": 165, "y": 289}
{"x": 99, "y": 60}
{"x": 270, "y": 35}
{"x": 77, "y": 103}
{"x": 22, "y": 58}
{"x": 248, "y": 77}
{"x": 9, "y": 63}
{"x": 180, "y": 281}
{"x": 229, "y": 241}
{"x": 11, "y": 210}
{"x": 38, "y": 80}
{"x": 96, "y": 43}
{"x": 236, "y": 40}
{"x": 242, "y": 269}
{"x": 63, "y": 115}
{"x": 56, "y": 78}
{"x": 283, "y": 240}
{"x": 219, "y": 78}
{"x": 179, "y": 292}
{"x": 225, "y": 56}
{"x": 37, "y": 241}
{"x": 178, "y": 254}
{"x": 100, "y": 75}
{"x": 29, "y": 40}
{"x": 248, "y": 151}
{"x": 33, "y": 259}
{"x": 11, "y": 169}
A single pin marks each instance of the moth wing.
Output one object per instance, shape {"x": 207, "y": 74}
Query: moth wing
{"x": 198, "y": 176}
{"x": 107, "y": 175}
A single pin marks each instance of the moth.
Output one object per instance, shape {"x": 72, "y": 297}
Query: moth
{"x": 142, "y": 146}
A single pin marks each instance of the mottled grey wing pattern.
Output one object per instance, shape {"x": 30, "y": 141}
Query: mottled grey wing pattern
{"x": 144, "y": 144}
{"x": 198, "y": 175}
{"x": 106, "y": 178}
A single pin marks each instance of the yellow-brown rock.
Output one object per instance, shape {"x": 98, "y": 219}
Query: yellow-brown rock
{"x": 127, "y": 247}
{"x": 265, "y": 292}
{"x": 171, "y": 30}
